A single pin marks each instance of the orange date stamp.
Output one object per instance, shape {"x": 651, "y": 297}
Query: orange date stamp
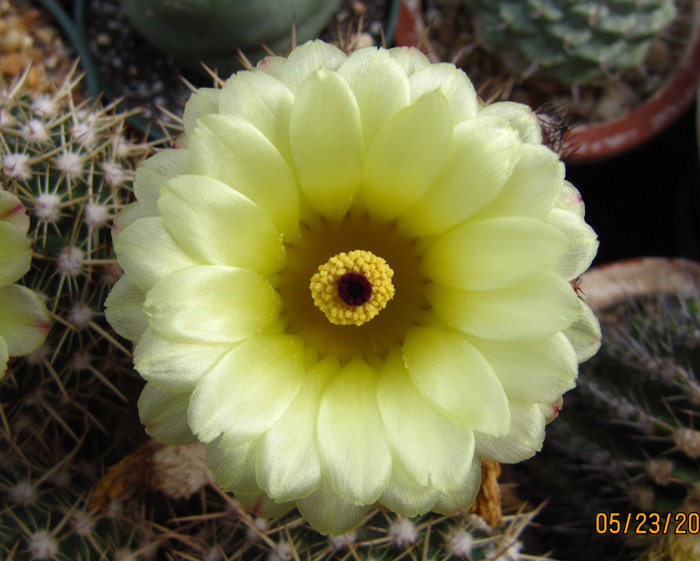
{"x": 647, "y": 523}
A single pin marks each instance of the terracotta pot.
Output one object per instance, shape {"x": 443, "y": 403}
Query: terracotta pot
{"x": 597, "y": 141}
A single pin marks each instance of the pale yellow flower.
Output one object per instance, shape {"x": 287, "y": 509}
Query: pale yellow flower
{"x": 24, "y": 319}
{"x": 351, "y": 280}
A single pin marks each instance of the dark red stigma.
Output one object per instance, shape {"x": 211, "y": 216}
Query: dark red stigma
{"x": 354, "y": 289}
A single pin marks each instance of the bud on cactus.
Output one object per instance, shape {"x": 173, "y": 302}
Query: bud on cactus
{"x": 580, "y": 42}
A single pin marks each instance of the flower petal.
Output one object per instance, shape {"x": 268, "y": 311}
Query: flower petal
{"x": 164, "y": 415}
{"x": 263, "y": 506}
{"x": 24, "y": 319}
{"x": 431, "y": 449}
{"x": 410, "y": 58}
{"x": 539, "y": 370}
{"x": 380, "y": 86}
{"x": 204, "y": 101}
{"x": 532, "y": 309}
{"x": 454, "y": 85}
{"x": 124, "y": 309}
{"x": 524, "y": 439}
{"x": 406, "y": 497}
{"x": 405, "y": 157}
{"x": 13, "y": 212}
{"x": 461, "y": 499}
{"x": 494, "y": 253}
{"x": 329, "y": 513}
{"x": 521, "y": 117}
{"x": 232, "y": 150}
{"x": 248, "y": 390}
{"x": 155, "y": 172}
{"x": 584, "y": 334}
{"x": 287, "y": 461}
{"x": 176, "y": 365}
{"x": 351, "y": 438}
{"x": 142, "y": 265}
{"x": 481, "y": 158}
{"x": 583, "y": 242}
{"x": 217, "y": 224}
{"x": 214, "y": 304}
{"x": 125, "y": 218}
{"x": 326, "y": 136}
{"x": 533, "y": 188}
{"x": 234, "y": 468}
{"x": 570, "y": 199}
{"x": 307, "y": 59}
{"x": 263, "y": 101}
{"x": 4, "y": 356}
{"x": 451, "y": 373}
{"x": 15, "y": 253}
{"x": 272, "y": 65}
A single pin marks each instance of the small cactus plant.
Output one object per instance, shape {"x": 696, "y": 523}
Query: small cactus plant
{"x": 575, "y": 41}
{"x": 213, "y": 31}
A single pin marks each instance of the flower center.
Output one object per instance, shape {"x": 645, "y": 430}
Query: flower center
{"x": 352, "y": 288}
{"x": 373, "y": 340}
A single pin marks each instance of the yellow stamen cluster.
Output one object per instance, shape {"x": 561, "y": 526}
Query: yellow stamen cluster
{"x": 324, "y": 287}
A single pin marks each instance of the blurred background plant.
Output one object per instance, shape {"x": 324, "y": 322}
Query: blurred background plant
{"x": 618, "y": 71}
{"x": 215, "y": 31}
{"x": 576, "y": 43}
{"x": 594, "y": 60}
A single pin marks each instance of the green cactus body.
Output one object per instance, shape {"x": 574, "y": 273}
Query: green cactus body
{"x": 575, "y": 41}
{"x": 69, "y": 164}
{"x": 644, "y": 394}
{"x": 213, "y": 30}
{"x": 64, "y": 413}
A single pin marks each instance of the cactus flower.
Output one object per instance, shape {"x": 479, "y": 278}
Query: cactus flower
{"x": 351, "y": 280}
{"x": 24, "y": 319}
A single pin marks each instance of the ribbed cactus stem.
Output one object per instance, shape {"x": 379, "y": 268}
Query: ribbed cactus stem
{"x": 575, "y": 41}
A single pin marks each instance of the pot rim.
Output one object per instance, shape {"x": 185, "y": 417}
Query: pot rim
{"x": 606, "y": 285}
